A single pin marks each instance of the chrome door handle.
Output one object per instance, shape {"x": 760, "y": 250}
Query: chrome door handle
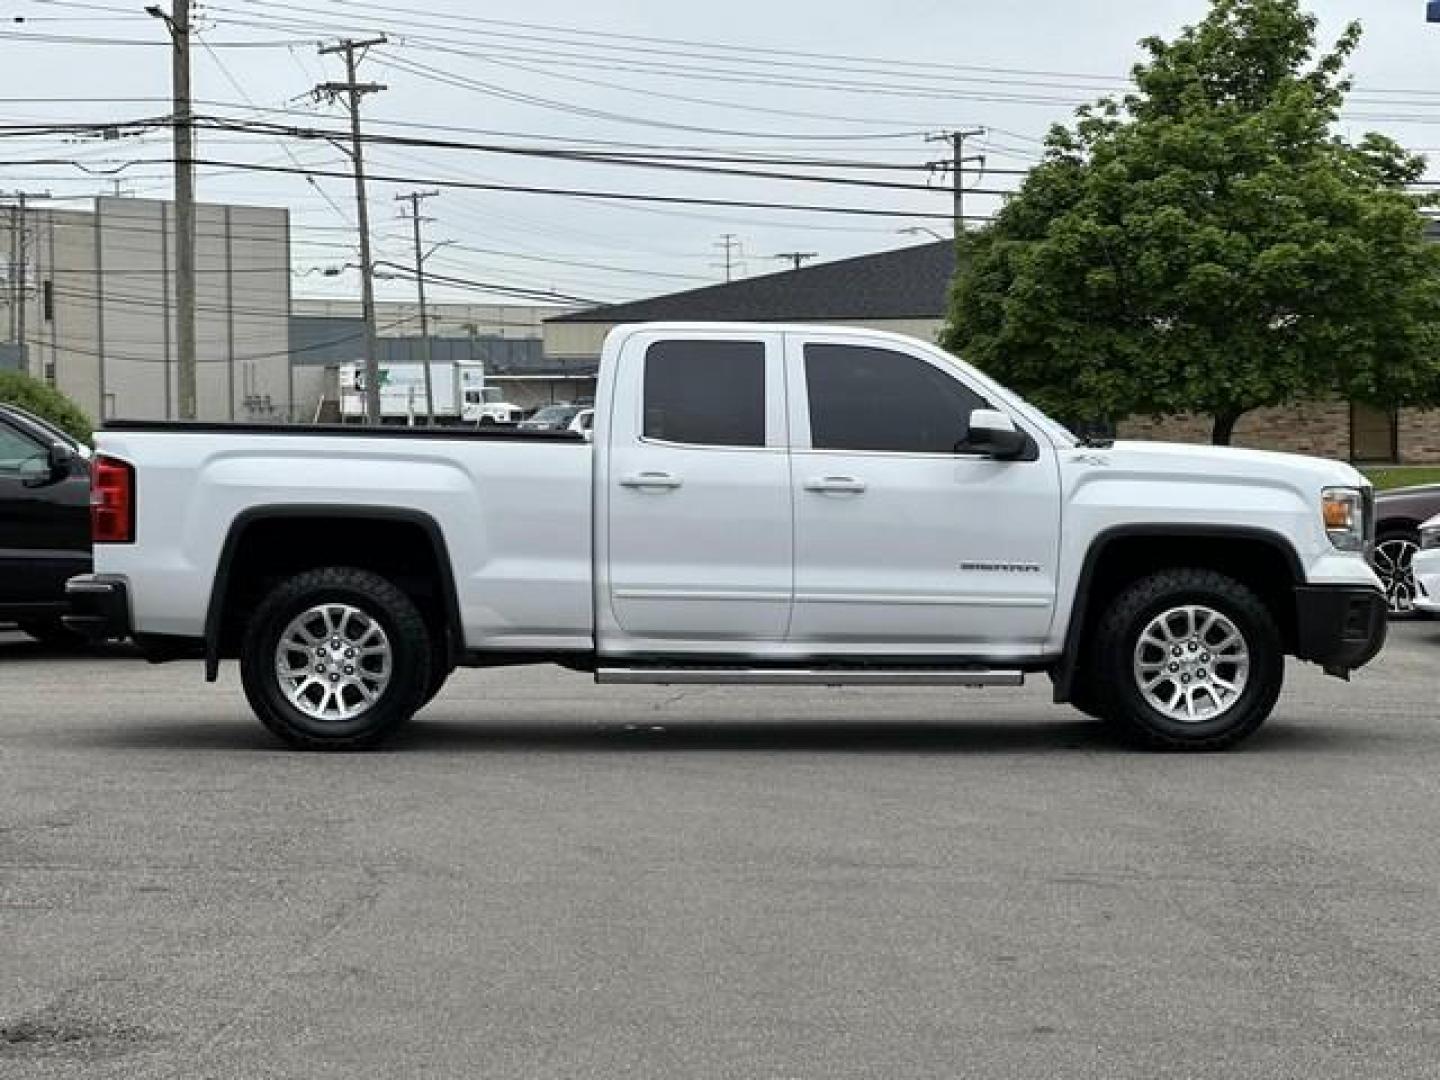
{"x": 662, "y": 480}
{"x": 842, "y": 485}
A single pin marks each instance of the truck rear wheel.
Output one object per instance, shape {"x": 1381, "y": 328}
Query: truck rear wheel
{"x": 335, "y": 659}
{"x": 1188, "y": 659}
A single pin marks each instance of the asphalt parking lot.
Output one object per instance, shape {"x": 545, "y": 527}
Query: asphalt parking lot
{"x": 546, "y": 879}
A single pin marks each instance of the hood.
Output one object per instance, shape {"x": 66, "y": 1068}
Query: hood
{"x": 1232, "y": 462}
{"x": 1414, "y": 491}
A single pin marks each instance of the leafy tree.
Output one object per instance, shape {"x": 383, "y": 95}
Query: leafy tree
{"x": 34, "y": 396}
{"x": 1208, "y": 243}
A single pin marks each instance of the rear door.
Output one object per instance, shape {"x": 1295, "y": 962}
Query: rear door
{"x": 908, "y": 541}
{"x": 697, "y": 545}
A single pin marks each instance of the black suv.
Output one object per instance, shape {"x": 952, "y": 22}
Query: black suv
{"x": 44, "y": 522}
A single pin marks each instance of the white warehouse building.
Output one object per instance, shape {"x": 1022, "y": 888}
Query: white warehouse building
{"x": 99, "y": 307}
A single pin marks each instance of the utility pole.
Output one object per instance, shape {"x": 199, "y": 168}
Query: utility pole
{"x": 178, "y": 23}
{"x": 956, "y": 165}
{"x": 730, "y": 245}
{"x": 14, "y": 297}
{"x": 797, "y": 259}
{"x": 414, "y": 199}
{"x": 353, "y": 91}
{"x": 20, "y": 268}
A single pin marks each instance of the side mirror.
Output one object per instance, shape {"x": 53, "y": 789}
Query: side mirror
{"x": 56, "y": 464}
{"x": 994, "y": 433}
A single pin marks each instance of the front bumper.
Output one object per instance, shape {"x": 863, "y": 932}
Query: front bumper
{"x": 99, "y": 607}
{"x": 1340, "y": 627}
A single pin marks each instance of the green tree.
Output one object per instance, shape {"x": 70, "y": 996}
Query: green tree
{"x": 34, "y": 396}
{"x": 1208, "y": 243}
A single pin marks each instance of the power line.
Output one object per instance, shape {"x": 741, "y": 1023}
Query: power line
{"x": 284, "y": 146}
{"x": 619, "y": 196}
{"x": 630, "y": 45}
{"x": 675, "y": 163}
{"x": 111, "y": 42}
{"x": 108, "y": 354}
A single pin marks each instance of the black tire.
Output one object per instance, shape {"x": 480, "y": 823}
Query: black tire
{"x": 1084, "y": 698}
{"x": 1123, "y": 702}
{"x": 54, "y": 634}
{"x": 1391, "y": 545}
{"x": 440, "y": 671}
{"x": 376, "y": 599}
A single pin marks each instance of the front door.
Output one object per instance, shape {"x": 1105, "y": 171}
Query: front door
{"x": 906, "y": 540}
{"x": 698, "y": 547}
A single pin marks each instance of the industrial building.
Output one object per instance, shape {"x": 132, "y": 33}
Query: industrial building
{"x": 87, "y": 302}
{"x": 90, "y": 306}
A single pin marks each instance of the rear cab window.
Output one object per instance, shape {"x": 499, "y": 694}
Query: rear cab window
{"x": 705, "y": 393}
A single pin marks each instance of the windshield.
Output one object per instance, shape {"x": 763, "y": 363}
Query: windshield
{"x": 555, "y": 412}
{"x": 996, "y": 392}
{"x": 1056, "y": 430}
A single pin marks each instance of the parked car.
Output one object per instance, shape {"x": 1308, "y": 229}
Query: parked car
{"x": 44, "y": 522}
{"x": 1425, "y": 568}
{"x": 776, "y": 505}
{"x": 1399, "y": 515}
{"x": 552, "y": 418}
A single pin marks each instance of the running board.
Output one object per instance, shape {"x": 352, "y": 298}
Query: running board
{"x": 723, "y": 676}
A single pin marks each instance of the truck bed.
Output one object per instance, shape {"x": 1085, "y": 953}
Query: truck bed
{"x": 511, "y": 511}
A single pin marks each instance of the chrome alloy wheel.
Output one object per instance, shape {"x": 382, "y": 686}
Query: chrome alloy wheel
{"x": 333, "y": 662}
{"x": 1392, "y": 561}
{"x": 1191, "y": 664}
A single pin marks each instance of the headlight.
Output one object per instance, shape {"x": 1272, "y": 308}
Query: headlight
{"x": 1430, "y": 537}
{"x": 1343, "y": 512}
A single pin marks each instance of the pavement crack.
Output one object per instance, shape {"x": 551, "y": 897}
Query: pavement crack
{"x": 348, "y": 913}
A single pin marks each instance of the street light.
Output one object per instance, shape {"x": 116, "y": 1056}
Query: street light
{"x": 916, "y": 230}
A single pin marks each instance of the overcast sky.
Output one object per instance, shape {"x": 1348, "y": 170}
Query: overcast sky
{"x": 879, "y": 76}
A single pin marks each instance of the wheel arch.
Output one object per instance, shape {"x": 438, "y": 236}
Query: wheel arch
{"x": 1125, "y": 553}
{"x": 1400, "y": 523}
{"x": 251, "y": 525}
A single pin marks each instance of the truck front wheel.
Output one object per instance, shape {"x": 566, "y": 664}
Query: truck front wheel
{"x": 335, "y": 659}
{"x": 1188, "y": 659}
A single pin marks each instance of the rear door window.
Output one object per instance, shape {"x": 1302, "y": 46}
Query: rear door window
{"x": 705, "y": 393}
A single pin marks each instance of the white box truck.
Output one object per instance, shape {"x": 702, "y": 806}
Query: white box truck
{"x": 459, "y": 392}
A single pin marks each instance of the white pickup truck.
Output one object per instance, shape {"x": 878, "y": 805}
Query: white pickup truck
{"x": 760, "y": 504}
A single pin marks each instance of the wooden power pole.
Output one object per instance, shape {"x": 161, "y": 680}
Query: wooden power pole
{"x": 414, "y": 198}
{"x": 353, "y": 91}
{"x": 183, "y": 124}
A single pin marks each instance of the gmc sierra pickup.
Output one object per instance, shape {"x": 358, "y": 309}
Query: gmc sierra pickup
{"x": 760, "y": 504}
